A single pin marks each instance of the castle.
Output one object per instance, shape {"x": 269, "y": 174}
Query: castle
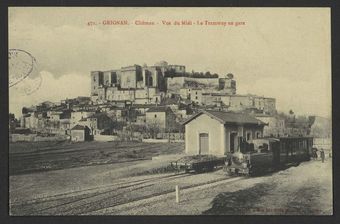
{"x": 152, "y": 84}
{"x": 143, "y": 85}
{"x": 141, "y": 96}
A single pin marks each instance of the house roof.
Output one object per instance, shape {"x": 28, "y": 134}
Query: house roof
{"x": 227, "y": 117}
{"x": 182, "y": 106}
{"x": 83, "y": 98}
{"x": 78, "y": 127}
{"x": 263, "y": 115}
{"x": 98, "y": 115}
{"x": 168, "y": 101}
{"x": 187, "y": 101}
{"x": 143, "y": 105}
{"x": 158, "y": 109}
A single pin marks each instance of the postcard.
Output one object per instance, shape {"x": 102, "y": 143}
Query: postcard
{"x": 169, "y": 111}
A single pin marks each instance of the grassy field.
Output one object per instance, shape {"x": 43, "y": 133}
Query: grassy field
{"x": 31, "y": 157}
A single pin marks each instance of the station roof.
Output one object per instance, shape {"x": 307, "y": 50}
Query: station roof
{"x": 227, "y": 117}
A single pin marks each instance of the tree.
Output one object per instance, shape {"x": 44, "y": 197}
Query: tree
{"x": 12, "y": 122}
{"x": 230, "y": 76}
{"x": 153, "y": 129}
{"x": 25, "y": 110}
{"x": 171, "y": 73}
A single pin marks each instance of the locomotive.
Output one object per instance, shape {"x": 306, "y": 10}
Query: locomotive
{"x": 268, "y": 154}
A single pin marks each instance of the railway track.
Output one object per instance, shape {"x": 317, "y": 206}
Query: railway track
{"x": 59, "y": 203}
{"x": 158, "y": 196}
{"x": 114, "y": 196}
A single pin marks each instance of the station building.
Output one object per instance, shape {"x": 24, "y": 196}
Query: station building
{"x": 218, "y": 132}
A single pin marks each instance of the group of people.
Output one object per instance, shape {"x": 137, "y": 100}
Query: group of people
{"x": 322, "y": 154}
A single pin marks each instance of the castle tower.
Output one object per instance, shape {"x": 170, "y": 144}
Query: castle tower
{"x": 97, "y": 80}
{"x": 227, "y": 84}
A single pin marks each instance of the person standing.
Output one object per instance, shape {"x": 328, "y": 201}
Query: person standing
{"x": 322, "y": 155}
{"x": 315, "y": 154}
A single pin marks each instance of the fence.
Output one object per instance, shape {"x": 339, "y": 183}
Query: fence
{"x": 36, "y": 138}
{"x": 325, "y": 143}
{"x": 164, "y": 137}
{"x": 152, "y": 140}
{"x": 23, "y": 138}
{"x": 105, "y": 138}
{"x": 172, "y": 136}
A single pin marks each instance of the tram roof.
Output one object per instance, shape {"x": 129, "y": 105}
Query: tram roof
{"x": 295, "y": 137}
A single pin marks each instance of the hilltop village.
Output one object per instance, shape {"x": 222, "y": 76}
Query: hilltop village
{"x": 148, "y": 102}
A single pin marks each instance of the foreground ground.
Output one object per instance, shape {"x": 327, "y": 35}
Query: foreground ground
{"x": 303, "y": 190}
{"x": 131, "y": 188}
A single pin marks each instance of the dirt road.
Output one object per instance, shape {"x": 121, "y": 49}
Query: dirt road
{"x": 302, "y": 190}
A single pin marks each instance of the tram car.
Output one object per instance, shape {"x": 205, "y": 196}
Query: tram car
{"x": 268, "y": 154}
{"x": 198, "y": 163}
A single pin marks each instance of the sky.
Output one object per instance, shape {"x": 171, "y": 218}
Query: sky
{"x": 283, "y": 53}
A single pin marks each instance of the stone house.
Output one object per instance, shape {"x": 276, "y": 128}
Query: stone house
{"x": 99, "y": 123}
{"x": 80, "y": 133}
{"x": 275, "y": 127}
{"x": 76, "y": 116}
{"x": 162, "y": 116}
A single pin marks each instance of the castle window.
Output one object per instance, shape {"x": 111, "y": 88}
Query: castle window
{"x": 155, "y": 115}
{"x": 248, "y": 136}
{"x": 258, "y": 134}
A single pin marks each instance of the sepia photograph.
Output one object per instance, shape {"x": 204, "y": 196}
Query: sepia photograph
{"x": 131, "y": 111}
